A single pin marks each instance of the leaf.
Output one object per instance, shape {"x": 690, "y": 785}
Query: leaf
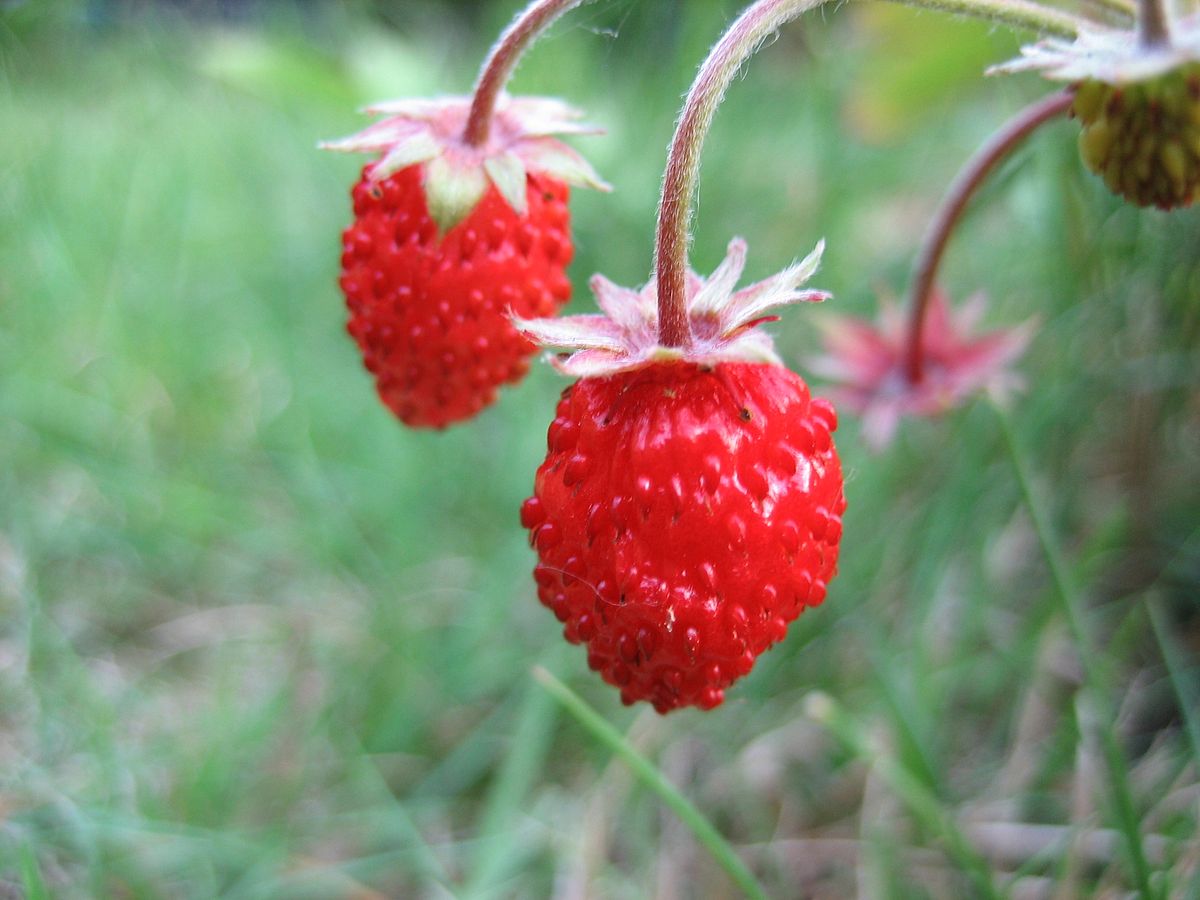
{"x": 583, "y": 332}
{"x": 719, "y": 286}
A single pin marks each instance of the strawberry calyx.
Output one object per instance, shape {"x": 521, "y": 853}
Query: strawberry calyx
{"x": 722, "y": 322}
{"x": 1113, "y": 56}
{"x": 866, "y": 363}
{"x": 457, "y": 174}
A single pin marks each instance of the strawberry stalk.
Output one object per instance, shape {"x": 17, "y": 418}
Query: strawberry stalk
{"x": 1153, "y": 30}
{"x": 529, "y": 24}
{"x": 675, "y": 209}
{"x": 994, "y": 151}
{"x": 716, "y": 73}
{"x": 1023, "y": 14}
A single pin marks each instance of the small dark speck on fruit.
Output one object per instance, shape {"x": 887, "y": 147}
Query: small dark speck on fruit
{"x": 745, "y": 414}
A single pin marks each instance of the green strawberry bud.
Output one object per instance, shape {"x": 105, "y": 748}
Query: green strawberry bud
{"x": 1143, "y": 138}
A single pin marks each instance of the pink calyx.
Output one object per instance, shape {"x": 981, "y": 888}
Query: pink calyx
{"x": 722, "y": 322}
{"x": 867, "y": 363}
{"x": 457, "y": 174}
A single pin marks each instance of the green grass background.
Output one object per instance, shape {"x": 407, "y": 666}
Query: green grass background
{"x": 259, "y": 640}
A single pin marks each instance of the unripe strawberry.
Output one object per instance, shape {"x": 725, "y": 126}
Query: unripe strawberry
{"x": 1137, "y": 95}
{"x": 1143, "y": 139}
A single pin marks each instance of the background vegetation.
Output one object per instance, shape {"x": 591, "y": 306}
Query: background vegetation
{"x": 258, "y": 640}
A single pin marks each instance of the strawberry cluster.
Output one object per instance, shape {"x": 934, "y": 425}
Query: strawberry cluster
{"x": 690, "y": 503}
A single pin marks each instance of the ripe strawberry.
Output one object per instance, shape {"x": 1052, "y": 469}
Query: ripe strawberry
{"x": 448, "y": 240}
{"x": 690, "y": 503}
{"x": 429, "y": 314}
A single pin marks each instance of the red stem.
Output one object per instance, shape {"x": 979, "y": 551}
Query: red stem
{"x": 724, "y": 61}
{"x": 502, "y": 61}
{"x": 967, "y": 182}
{"x": 671, "y": 245}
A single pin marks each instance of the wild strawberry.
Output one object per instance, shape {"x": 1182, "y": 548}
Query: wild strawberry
{"x": 449, "y": 238}
{"x": 1137, "y": 95}
{"x": 690, "y": 503}
{"x": 1143, "y": 139}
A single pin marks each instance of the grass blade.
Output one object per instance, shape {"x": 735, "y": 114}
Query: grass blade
{"x": 497, "y": 854}
{"x": 708, "y": 836}
{"x": 1067, "y": 592}
{"x": 31, "y": 876}
{"x": 916, "y": 795}
{"x": 1185, "y": 690}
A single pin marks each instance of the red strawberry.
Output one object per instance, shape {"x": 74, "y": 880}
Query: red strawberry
{"x": 448, "y": 240}
{"x": 429, "y": 314}
{"x": 690, "y": 504}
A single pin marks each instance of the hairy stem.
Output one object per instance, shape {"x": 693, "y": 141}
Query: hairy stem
{"x": 724, "y": 61}
{"x": 968, "y": 181}
{"x": 1124, "y": 8}
{"x": 1013, "y": 13}
{"x": 1153, "y": 30}
{"x": 526, "y": 28}
{"x": 716, "y": 73}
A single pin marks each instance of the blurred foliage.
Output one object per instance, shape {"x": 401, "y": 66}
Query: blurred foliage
{"x": 257, "y": 640}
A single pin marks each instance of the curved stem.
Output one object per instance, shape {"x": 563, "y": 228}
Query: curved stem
{"x": 1014, "y": 13}
{"x": 1125, "y": 8}
{"x": 967, "y": 182}
{"x": 500, "y": 63}
{"x": 737, "y": 45}
{"x": 1153, "y": 30}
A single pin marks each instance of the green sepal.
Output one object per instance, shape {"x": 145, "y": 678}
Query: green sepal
{"x": 508, "y": 175}
{"x": 547, "y": 156}
{"x": 453, "y": 190}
